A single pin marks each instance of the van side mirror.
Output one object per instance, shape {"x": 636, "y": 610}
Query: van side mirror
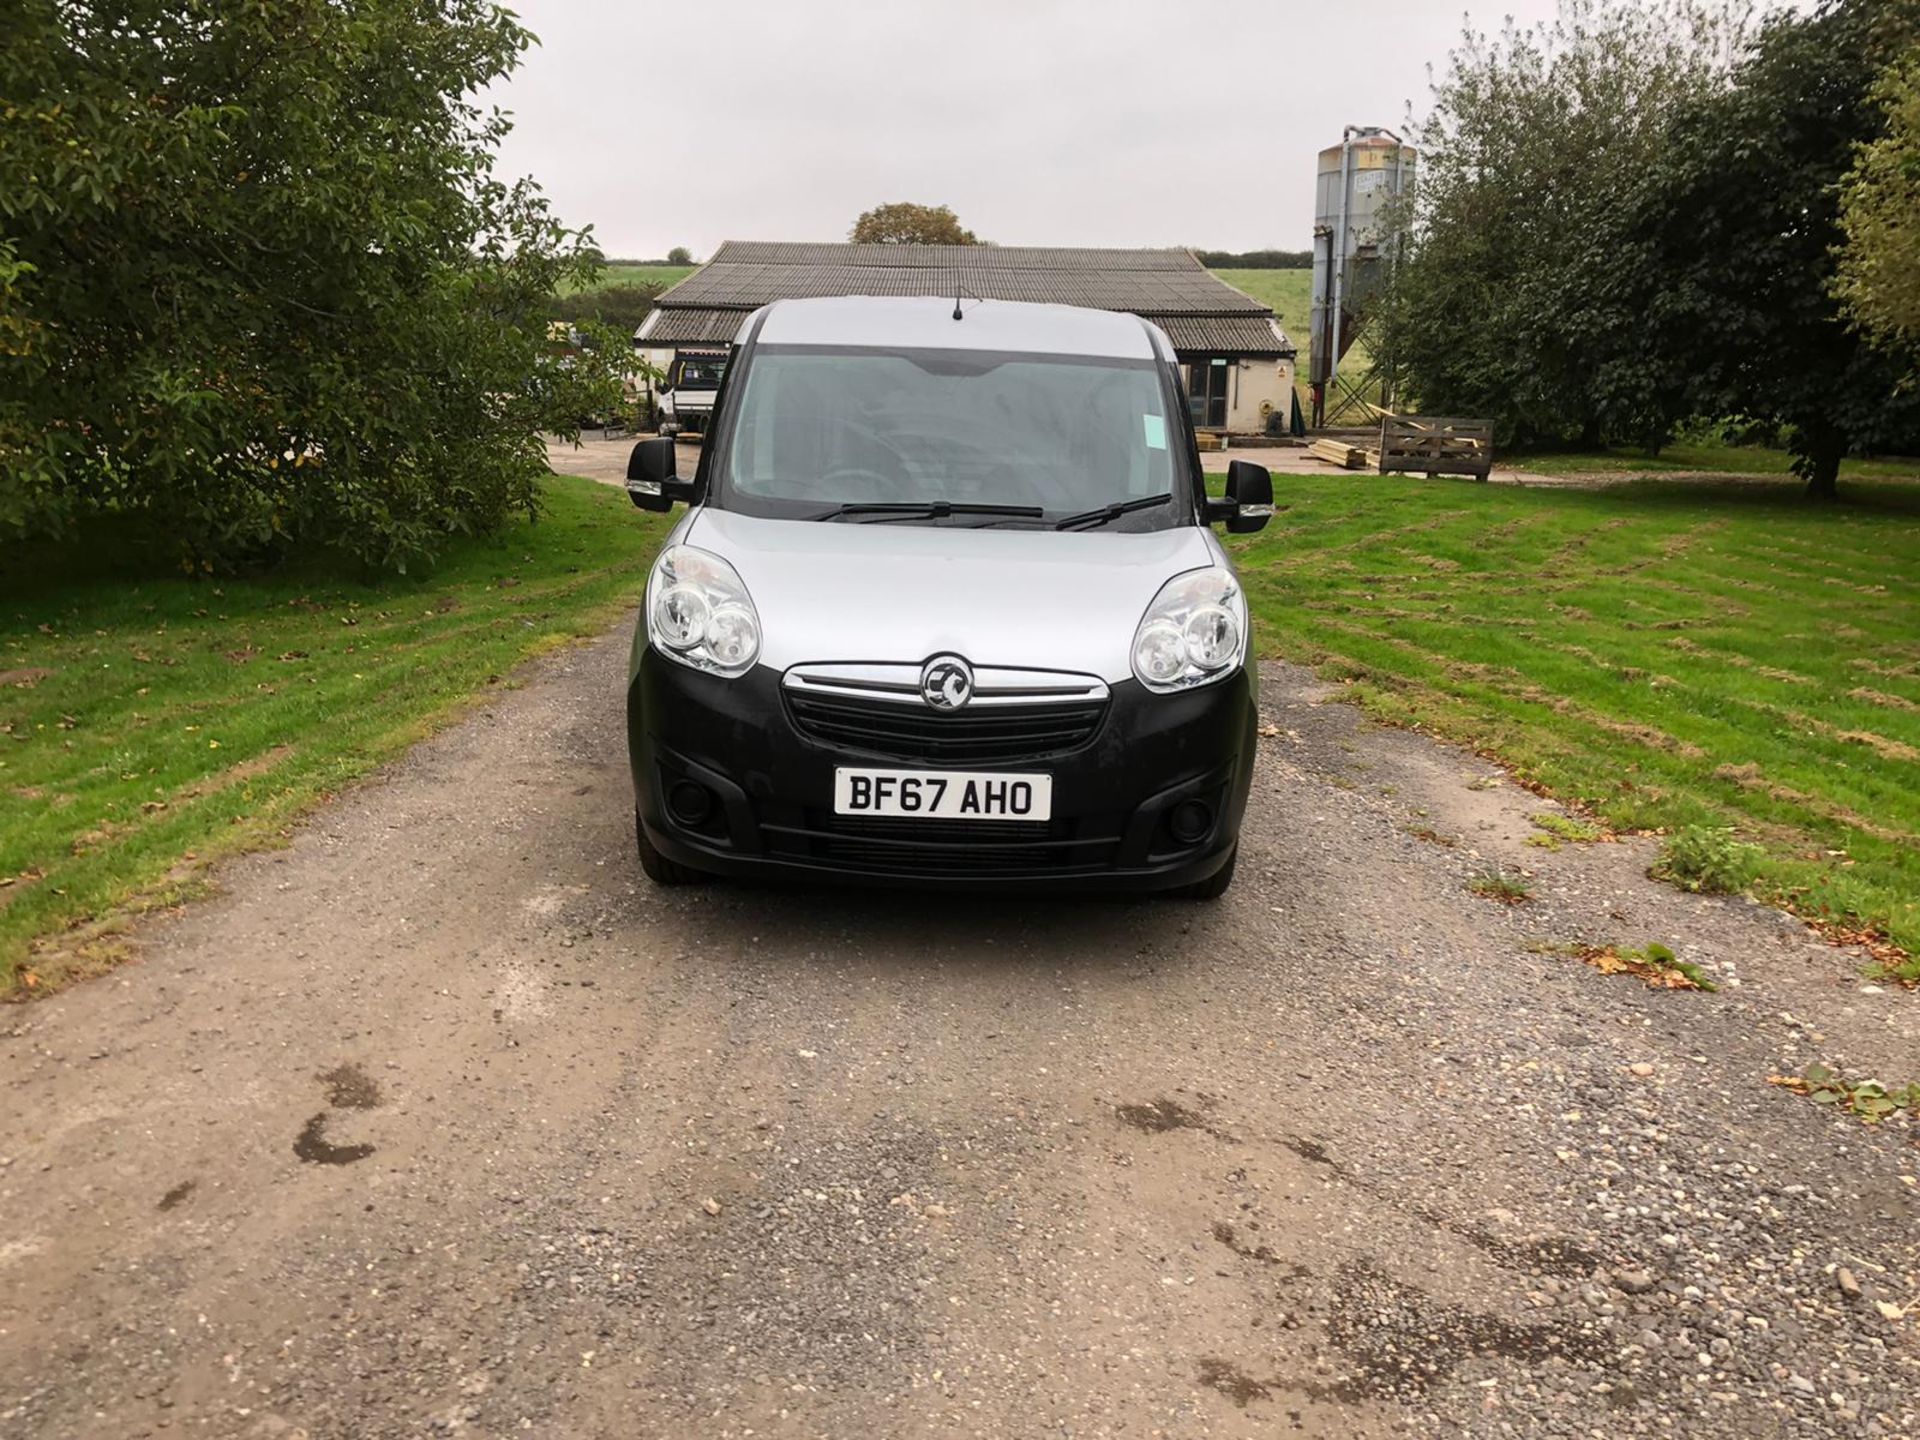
{"x": 652, "y": 483}
{"x": 1249, "y": 500}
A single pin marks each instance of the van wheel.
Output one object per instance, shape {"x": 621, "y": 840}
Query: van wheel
{"x": 1215, "y": 885}
{"x": 657, "y": 867}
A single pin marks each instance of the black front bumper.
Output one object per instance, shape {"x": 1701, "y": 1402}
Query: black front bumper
{"x": 772, "y": 788}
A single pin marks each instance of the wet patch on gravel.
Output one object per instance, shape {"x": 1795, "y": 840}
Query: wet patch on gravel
{"x": 1400, "y": 1341}
{"x": 1314, "y": 1152}
{"x": 1163, "y": 1116}
{"x": 312, "y": 1145}
{"x": 1558, "y": 1255}
{"x": 177, "y": 1195}
{"x": 1233, "y": 1382}
{"x": 349, "y": 1088}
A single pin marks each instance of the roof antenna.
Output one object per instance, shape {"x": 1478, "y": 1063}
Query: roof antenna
{"x": 958, "y": 291}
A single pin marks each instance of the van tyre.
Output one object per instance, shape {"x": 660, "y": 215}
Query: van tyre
{"x": 1215, "y": 885}
{"x": 657, "y": 867}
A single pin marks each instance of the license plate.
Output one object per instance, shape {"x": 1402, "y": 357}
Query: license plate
{"x": 942, "y": 794}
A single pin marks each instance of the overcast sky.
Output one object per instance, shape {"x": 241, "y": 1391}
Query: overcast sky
{"x": 1041, "y": 122}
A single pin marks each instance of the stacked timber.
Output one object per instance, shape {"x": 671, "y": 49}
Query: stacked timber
{"x": 1339, "y": 452}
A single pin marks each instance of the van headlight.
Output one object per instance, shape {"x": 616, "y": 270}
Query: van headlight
{"x": 1194, "y": 632}
{"x": 699, "y": 612}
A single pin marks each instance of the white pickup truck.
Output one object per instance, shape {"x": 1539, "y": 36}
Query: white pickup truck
{"x": 684, "y": 404}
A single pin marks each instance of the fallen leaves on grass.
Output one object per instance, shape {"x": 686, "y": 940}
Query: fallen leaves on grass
{"x": 1654, "y": 963}
{"x": 1890, "y": 960}
{"x": 1868, "y": 1099}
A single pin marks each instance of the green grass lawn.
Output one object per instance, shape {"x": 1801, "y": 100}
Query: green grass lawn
{"x": 637, "y": 275}
{"x": 1668, "y": 655}
{"x": 151, "y": 723}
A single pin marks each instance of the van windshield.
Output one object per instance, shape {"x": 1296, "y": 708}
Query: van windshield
{"x": 818, "y": 428}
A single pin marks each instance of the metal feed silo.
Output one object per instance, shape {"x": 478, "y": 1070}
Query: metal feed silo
{"x": 1359, "y": 180}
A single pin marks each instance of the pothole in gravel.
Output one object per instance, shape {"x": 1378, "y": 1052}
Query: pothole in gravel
{"x": 1402, "y": 1341}
{"x": 1550, "y": 1255}
{"x": 1535, "y": 1255}
{"x": 1230, "y": 1237}
{"x": 825, "y": 1263}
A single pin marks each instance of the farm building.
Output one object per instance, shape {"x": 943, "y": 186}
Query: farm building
{"x": 1235, "y": 360}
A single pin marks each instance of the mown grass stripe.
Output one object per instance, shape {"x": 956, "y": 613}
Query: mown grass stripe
{"x": 1672, "y": 653}
{"x": 270, "y": 737}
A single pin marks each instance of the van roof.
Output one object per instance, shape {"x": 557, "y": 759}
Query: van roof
{"x": 927, "y": 323}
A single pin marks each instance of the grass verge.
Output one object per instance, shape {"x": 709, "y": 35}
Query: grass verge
{"x": 1701, "y": 659}
{"x": 151, "y": 723}
{"x": 1695, "y": 459}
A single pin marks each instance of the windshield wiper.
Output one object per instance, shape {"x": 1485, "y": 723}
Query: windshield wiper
{"x": 1107, "y": 514}
{"x": 926, "y": 509}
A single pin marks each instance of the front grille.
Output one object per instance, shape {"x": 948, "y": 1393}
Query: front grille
{"x": 939, "y": 849}
{"x": 980, "y": 735}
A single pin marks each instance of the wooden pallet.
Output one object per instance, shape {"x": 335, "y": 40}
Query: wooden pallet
{"x": 1434, "y": 445}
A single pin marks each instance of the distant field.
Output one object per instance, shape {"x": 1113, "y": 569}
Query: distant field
{"x": 1289, "y": 292}
{"x": 640, "y": 274}
{"x": 1668, "y": 654}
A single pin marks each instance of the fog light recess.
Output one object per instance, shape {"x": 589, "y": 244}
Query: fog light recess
{"x": 689, "y": 803}
{"x": 1190, "y": 821}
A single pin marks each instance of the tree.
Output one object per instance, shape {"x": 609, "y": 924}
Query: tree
{"x": 1879, "y": 274}
{"x": 1255, "y": 259}
{"x": 1737, "y": 226}
{"x": 909, "y": 224}
{"x": 259, "y": 284}
{"x": 679, "y": 255}
{"x": 1508, "y": 300}
{"x": 618, "y": 307}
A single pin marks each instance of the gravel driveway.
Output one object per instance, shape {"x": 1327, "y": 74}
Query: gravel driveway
{"x": 442, "y": 1120}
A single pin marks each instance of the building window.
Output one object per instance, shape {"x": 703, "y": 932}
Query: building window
{"x": 1207, "y": 391}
